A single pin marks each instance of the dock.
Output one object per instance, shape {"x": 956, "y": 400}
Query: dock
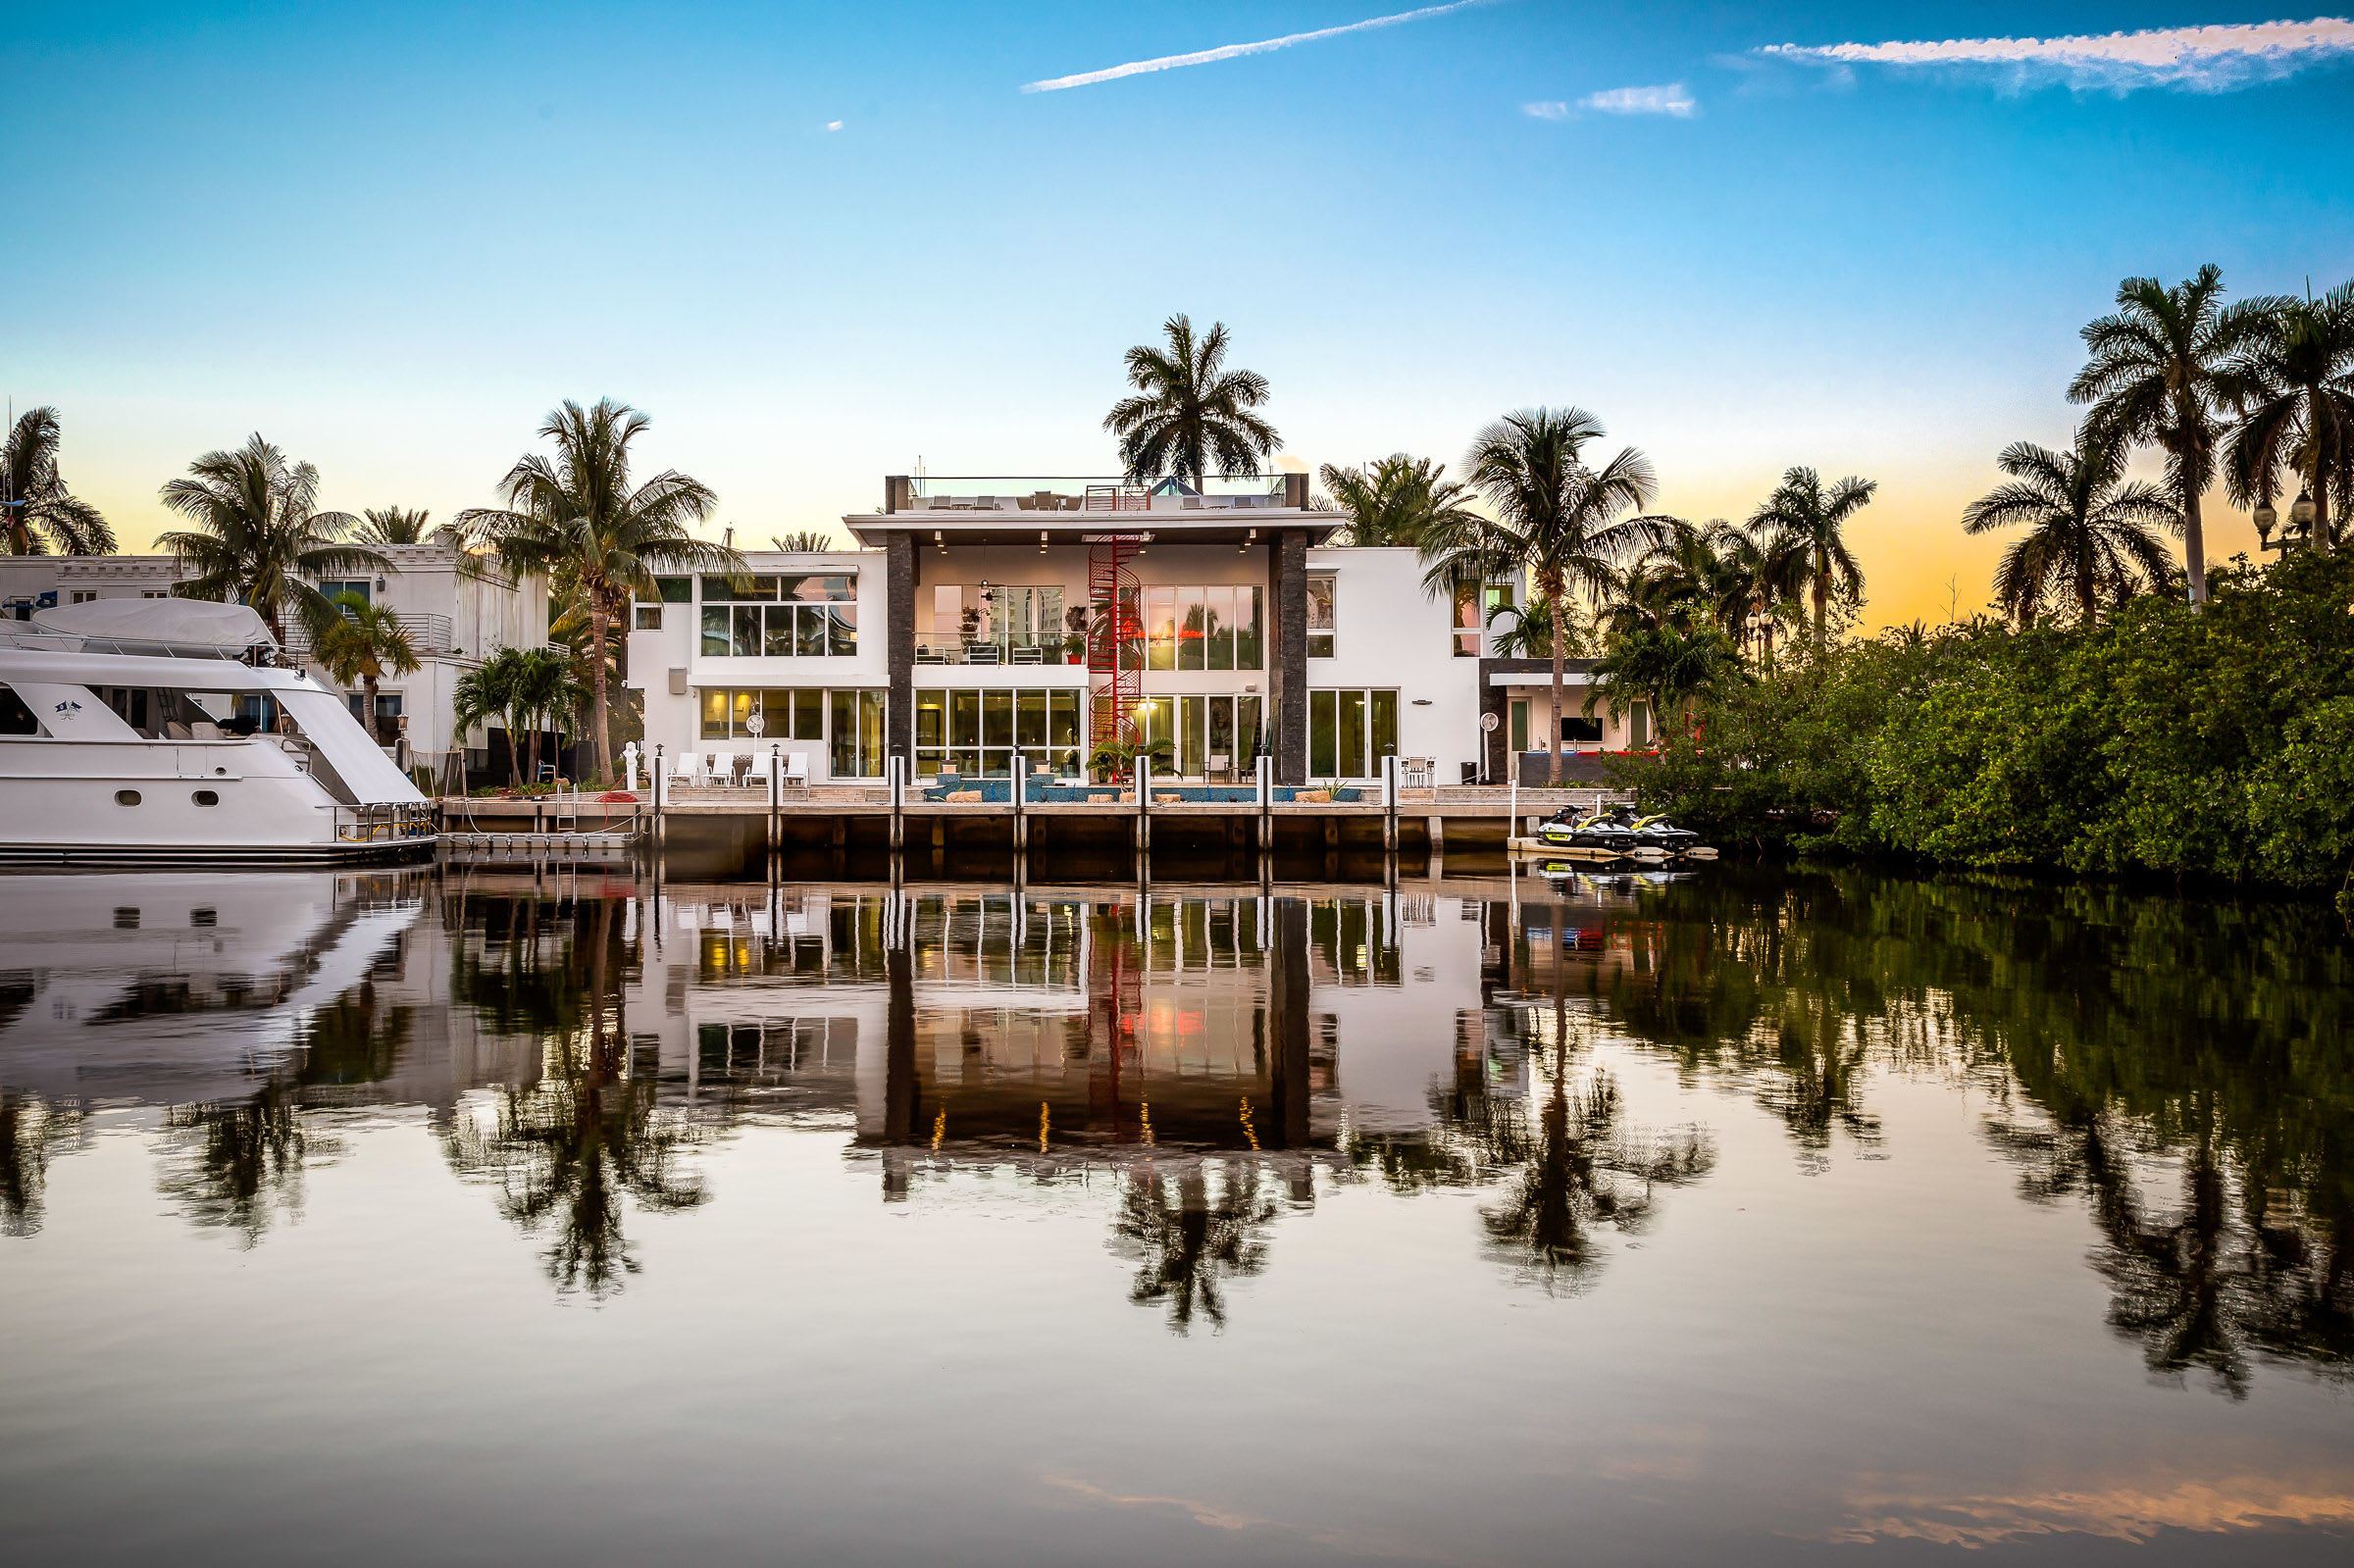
{"x": 1399, "y": 821}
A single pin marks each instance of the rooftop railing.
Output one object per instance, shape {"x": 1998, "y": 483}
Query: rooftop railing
{"x": 936, "y": 492}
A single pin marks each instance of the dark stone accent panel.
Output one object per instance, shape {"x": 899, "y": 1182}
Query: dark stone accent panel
{"x": 1288, "y": 673}
{"x": 899, "y": 588}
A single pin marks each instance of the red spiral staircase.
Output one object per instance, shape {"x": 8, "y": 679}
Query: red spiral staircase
{"x": 1112, "y": 625}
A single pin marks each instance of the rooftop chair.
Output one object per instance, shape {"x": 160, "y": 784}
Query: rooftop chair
{"x": 1028, "y": 653}
{"x": 982, "y": 653}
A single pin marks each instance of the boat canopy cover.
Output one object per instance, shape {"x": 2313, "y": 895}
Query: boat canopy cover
{"x": 360, "y": 762}
{"x": 160, "y": 625}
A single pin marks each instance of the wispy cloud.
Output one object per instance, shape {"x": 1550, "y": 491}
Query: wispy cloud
{"x": 833, "y": 124}
{"x": 1670, "y": 99}
{"x": 1235, "y": 51}
{"x": 2215, "y": 59}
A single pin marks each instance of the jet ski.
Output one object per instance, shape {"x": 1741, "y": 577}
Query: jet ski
{"x": 1572, "y": 828}
{"x": 1655, "y": 831}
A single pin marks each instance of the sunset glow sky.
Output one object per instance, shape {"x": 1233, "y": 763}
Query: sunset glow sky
{"x": 816, "y": 242}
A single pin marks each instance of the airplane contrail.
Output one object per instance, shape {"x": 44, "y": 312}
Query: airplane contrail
{"x": 2211, "y": 59}
{"x": 1235, "y": 51}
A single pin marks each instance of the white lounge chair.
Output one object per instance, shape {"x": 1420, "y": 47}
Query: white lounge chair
{"x": 756, "y": 777}
{"x": 687, "y": 770}
{"x": 796, "y": 774}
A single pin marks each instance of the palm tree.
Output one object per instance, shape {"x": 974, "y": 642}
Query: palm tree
{"x": 1799, "y": 518}
{"x": 1666, "y": 665}
{"x": 1396, "y": 499}
{"x": 804, "y": 540}
{"x": 581, "y": 513}
{"x": 488, "y": 691}
{"x": 2091, "y": 533}
{"x": 2297, "y": 372}
{"x": 257, "y": 535}
{"x": 2161, "y": 372}
{"x": 1190, "y": 411}
{"x": 1559, "y": 522}
{"x": 41, "y": 514}
{"x": 391, "y": 524}
{"x": 364, "y": 644}
{"x": 1529, "y": 629}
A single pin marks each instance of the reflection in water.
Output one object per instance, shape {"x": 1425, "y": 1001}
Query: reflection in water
{"x": 229, "y": 1163}
{"x": 1190, "y": 1229}
{"x": 1488, "y": 1151}
{"x": 566, "y": 1148}
{"x": 2177, "y": 1067}
{"x": 2182, "y": 1067}
{"x": 31, "y": 1130}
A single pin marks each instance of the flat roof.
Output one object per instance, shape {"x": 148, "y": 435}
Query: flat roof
{"x": 1209, "y": 527}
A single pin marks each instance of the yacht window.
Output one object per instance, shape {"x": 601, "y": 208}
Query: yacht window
{"x": 125, "y": 919}
{"x": 16, "y": 719}
{"x": 127, "y": 797}
{"x": 208, "y": 798}
{"x": 206, "y": 916}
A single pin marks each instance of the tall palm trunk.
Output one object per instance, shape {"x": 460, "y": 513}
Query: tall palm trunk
{"x": 370, "y": 721}
{"x": 1556, "y": 590}
{"x": 1823, "y": 591}
{"x": 2195, "y": 533}
{"x": 599, "y": 749}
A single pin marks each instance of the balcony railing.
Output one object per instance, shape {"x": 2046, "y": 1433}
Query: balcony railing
{"x": 1003, "y": 648}
{"x": 1090, "y": 494}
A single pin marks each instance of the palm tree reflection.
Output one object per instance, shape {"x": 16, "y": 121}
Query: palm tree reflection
{"x": 31, "y": 1130}
{"x": 1585, "y": 1169}
{"x": 230, "y": 1163}
{"x": 1187, "y": 1239}
{"x": 567, "y": 1149}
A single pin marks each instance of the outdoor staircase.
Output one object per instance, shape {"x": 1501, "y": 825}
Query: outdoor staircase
{"x": 1112, "y": 625}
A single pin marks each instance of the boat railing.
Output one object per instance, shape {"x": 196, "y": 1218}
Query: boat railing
{"x": 386, "y": 824}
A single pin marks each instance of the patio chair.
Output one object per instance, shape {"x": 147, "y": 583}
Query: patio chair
{"x": 756, "y": 777}
{"x": 1028, "y": 653}
{"x": 796, "y": 774}
{"x": 1219, "y": 765}
{"x": 931, "y": 653}
{"x": 686, "y": 769}
{"x": 982, "y": 653}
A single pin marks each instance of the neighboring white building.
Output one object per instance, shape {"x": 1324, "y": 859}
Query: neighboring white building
{"x": 1027, "y": 626}
{"x": 454, "y": 618}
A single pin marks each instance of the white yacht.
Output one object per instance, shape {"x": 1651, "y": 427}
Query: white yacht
{"x": 135, "y": 730}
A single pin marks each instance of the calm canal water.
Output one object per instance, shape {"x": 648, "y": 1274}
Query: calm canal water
{"x": 1752, "y": 1217}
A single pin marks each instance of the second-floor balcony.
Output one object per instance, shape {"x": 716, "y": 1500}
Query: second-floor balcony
{"x": 1001, "y": 648}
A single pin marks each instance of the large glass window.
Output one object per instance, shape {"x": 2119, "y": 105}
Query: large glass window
{"x": 1160, "y": 628}
{"x": 1350, "y": 731}
{"x": 985, "y": 733}
{"x": 1212, "y": 627}
{"x": 798, "y": 720}
{"x": 1320, "y": 630}
{"x": 856, "y": 734}
{"x": 779, "y": 618}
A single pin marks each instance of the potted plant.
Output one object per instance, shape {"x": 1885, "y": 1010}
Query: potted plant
{"x": 1114, "y": 761}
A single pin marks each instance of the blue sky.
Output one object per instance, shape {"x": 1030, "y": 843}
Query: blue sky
{"x": 814, "y": 243}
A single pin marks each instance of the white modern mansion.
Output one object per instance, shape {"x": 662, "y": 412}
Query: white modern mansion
{"x": 457, "y": 610}
{"x": 983, "y": 621}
